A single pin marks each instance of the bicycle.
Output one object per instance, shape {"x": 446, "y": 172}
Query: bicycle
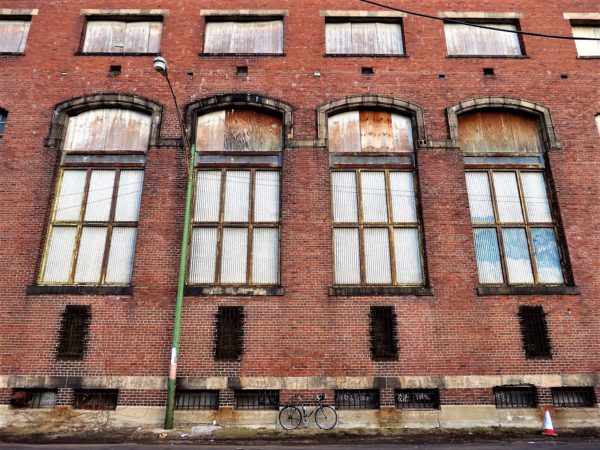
{"x": 291, "y": 416}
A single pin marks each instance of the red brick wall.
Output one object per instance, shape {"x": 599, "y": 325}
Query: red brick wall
{"x": 306, "y": 332}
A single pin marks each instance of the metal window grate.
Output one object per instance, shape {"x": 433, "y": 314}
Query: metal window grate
{"x": 534, "y": 330}
{"x": 95, "y": 398}
{"x": 197, "y": 400}
{"x": 515, "y": 397}
{"x": 568, "y": 397}
{"x": 384, "y": 340}
{"x": 357, "y": 399}
{"x": 34, "y": 398}
{"x": 256, "y": 400}
{"x": 73, "y": 332}
{"x": 229, "y": 339}
{"x": 417, "y": 398}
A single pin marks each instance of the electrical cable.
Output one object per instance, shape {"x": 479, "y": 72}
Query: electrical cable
{"x": 478, "y": 25}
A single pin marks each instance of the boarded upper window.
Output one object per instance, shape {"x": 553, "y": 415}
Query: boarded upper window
{"x": 13, "y": 35}
{"x": 597, "y": 123}
{"x": 587, "y": 48}
{"x": 115, "y": 36}
{"x": 238, "y": 130}
{"x": 467, "y": 40}
{"x": 370, "y": 131}
{"x": 364, "y": 38}
{"x": 254, "y": 37}
{"x": 108, "y": 130}
{"x": 3, "y": 117}
{"x": 501, "y": 132}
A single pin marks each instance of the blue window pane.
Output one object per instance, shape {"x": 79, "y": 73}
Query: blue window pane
{"x": 546, "y": 255}
{"x": 516, "y": 250}
{"x": 488, "y": 256}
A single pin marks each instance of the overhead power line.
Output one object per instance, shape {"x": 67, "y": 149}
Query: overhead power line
{"x": 478, "y": 25}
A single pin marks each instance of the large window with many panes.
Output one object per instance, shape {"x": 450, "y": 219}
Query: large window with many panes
{"x": 376, "y": 225}
{"x": 93, "y": 229}
{"x": 236, "y": 219}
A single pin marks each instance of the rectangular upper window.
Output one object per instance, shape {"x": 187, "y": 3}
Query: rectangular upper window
{"x": 244, "y": 35}
{"x": 474, "y": 40}
{"x": 587, "y": 48}
{"x": 534, "y": 331}
{"x": 229, "y": 336}
{"x": 73, "y": 332}
{"x": 122, "y": 36}
{"x": 384, "y": 340}
{"x": 4, "y": 116}
{"x": 352, "y": 37}
{"x": 13, "y": 33}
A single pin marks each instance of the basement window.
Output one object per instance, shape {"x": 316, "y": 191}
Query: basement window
{"x": 573, "y": 397}
{"x": 515, "y": 397}
{"x": 34, "y": 398}
{"x": 384, "y": 335}
{"x": 73, "y": 332}
{"x": 229, "y": 338}
{"x": 357, "y": 399}
{"x": 195, "y": 400}
{"x": 534, "y": 330}
{"x": 96, "y": 399}
{"x": 256, "y": 400}
{"x": 417, "y": 398}
{"x": 597, "y": 124}
{"x": 129, "y": 36}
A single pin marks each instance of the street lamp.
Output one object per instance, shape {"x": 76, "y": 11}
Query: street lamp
{"x": 161, "y": 66}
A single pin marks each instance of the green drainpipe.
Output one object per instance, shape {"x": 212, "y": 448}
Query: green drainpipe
{"x": 172, "y": 383}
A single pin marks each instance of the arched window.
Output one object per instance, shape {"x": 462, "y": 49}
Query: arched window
{"x": 93, "y": 229}
{"x": 236, "y": 219}
{"x": 514, "y": 224}
{"x": 377, "y": 232}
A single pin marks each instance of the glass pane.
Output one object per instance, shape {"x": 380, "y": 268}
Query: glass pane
{"x": 546, "y": 255}
{"x": 120, "y": 259}
{"x": 377, "y": 256}
{"x": 233, "y": 259}
{"x": 480, "y": 198}
{"x": 129, "y": 195}
{"x": 265, "y": 256}
{"x": 100, "y": 195}
{"x": 516, "y": 250}
{"x": 507, "y": 197}
{"x": 266, "y": 196}
{"x": 237, "y": 196}
{"x": 489, "y": 266}
{"x": 373, "y": 197}
{"x": 203, "y": 256}
{"x": 68, "y": 204}
{"x": 407, "y": 251}
{"x": 344, "y": 197}
{"x": 91, "y": 254}
{"x": 536, "y": 199}
{"x": 208, "y": 196}
{"x": 60, "y": 254}
{"x": 402, "y": 193}
{"x": 346, "y": 254}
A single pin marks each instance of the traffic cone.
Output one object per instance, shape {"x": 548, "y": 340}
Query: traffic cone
{"x": 548, "y": 428}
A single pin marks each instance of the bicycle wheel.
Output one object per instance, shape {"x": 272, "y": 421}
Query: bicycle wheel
{"x": 326, "y": 417}
{"x": 290, "y": 417}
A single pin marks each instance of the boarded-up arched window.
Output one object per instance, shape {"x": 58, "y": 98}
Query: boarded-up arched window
{"x": 499, "y": 132}
{"x": 238, "y": 130}
{"x": 369, "y": 132}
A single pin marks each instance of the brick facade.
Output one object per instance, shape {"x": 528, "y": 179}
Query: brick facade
{"x": 307, "y": 338}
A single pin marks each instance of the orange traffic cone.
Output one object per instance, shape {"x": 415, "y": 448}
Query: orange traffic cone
{"x": 548, "y": 428}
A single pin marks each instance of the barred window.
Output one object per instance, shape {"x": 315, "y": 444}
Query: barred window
{"x": 104, "y": 35}
{"x": 573, "y": 397}
{"x": 417, "y": 398}
{"x": 514, "y": 230}
{"x": 97, "y": 399}
{"x": 34, "y": 398}
{"x": 515, "y": 397}
{"x": 73, "y": 332}
{"x": 229, "y": 339}
{"x": 93, "y": 229}
{"x": 384, "y": 336}
{"x": 357, "y": 399}
{"x": 467, "y": 40}
{"x": 345, "y": 37}
{"x": 256, "y": 400}
{"x": 534, "y": 331}
{"x": 197, "y": 400}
